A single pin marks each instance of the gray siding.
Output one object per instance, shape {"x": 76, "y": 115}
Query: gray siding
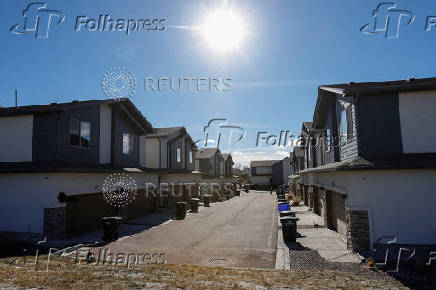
{"x": 190, "y": 166}
{"x": 51, "y": 136}
{"x": 78, "y": 154}
{"x": 378, "y": 125}
{"x": 205, "y": 167}
{"x": 184, "y": 144}
{"x": 332, "y": 155}
{"x": 177, "y": 144}
{"x": 45, "y": 137}
{"x": 348, "y": 149}
{"x": 277, "y": 173}
{"x": 120, "y": 125}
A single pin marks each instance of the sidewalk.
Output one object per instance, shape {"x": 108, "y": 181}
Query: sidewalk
{"x": 326, "y": 242}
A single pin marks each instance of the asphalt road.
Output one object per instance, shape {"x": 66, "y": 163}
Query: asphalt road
{"x": 241, "y": 232}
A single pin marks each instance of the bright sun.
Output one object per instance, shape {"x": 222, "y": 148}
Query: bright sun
{"x": 224, "y": 30}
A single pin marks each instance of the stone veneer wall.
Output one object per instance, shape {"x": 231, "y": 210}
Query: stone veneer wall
{"x": 357, "y": 229}
{"x": 55, "y": 222}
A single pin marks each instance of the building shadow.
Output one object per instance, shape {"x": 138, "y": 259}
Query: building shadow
{"x": 16, "y": 245}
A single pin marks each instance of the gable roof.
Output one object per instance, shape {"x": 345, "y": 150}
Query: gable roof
{"x": 261, "y": 163}
{"x": 327, "y": 92}
{"x": 125, "y": 104}
{"x": 226, "y": 155}
{"x": 206, "y": 153}
{"x": 410, "y": 84}
{"x": 164, "y": 132}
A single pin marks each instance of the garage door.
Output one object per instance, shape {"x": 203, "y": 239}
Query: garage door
{"x": 336, "y": 213}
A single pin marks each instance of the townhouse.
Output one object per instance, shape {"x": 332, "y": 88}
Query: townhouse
{"x": 265, "y": 173}
{"x": 54, "y": 159}
{"x": 216, "y": 170}
{"x": 370, "y": 162}
{"x": 227, "y": 165}
{"x": 210, "y": 162}
{"x": 173, "y": 152}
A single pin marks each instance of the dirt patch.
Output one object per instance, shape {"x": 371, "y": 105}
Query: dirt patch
{"x": 65, "y": 273}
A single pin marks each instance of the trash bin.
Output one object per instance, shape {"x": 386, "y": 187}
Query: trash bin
{"x": 289, "y": 228}
{"x": 181, "y": 210}
{"x": 194, "y": 204}
{"x": 283, "y": 206}
{"x": 110, "y": 228}
{"x": 286, "y": 213}
{"x": 206, "y": 200}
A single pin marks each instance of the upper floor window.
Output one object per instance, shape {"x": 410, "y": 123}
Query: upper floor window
{"x": 344, "y": 125}
{"x": 328, "y": 138}
{"x": 80, "y": 133}
{"x": 128, "y": 140}
{"x": 190, "y": 156}
{"x": 179, "y": 155}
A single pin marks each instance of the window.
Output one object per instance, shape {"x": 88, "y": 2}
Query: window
{"x": 80, "y": 133}
{"x": 128, "y": 144}
{"x": 328, "y": 138}
{"x": 346, "y": 123}
{"x": 179, "y": 155}
{"x": 190, "y": 156}
{"x": 344, "y": 126}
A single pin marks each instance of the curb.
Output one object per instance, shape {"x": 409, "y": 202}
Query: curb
{"x": 283, "y": 259}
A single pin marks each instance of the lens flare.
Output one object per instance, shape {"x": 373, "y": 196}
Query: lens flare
{"x": 224, "y": 30}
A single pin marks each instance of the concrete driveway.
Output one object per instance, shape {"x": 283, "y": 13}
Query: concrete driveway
{"x": 241, "y": 232}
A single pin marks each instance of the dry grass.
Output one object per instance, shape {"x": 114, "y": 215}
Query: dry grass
{"x": 65, "y": 273}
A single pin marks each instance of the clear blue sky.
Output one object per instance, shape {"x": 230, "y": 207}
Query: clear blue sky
{"x": 293, "y": 47}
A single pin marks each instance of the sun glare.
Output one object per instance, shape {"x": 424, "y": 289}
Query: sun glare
{"x": 224, "y": 30}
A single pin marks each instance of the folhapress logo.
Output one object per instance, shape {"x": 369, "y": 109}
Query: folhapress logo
{"x": 37, "y": 20}
{"x": 387, "y": 20}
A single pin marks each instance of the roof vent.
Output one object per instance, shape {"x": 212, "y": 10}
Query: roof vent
{"x": 75, "y": 101}
{"x": 351, "y": 83}
{"x": 410, "y": 80}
